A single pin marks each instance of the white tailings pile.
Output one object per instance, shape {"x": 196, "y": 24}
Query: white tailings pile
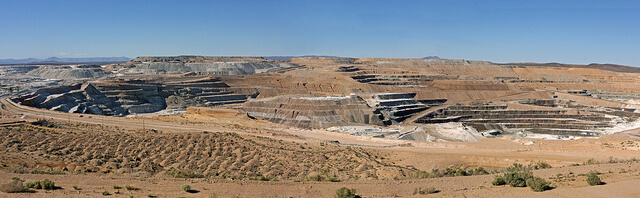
{"x": 218, "y": 68}
{"x": 69, "y": 72}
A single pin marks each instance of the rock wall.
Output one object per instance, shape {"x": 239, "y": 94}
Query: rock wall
{"x": 78, "y": 98}
{"x": 396, "y": 107}
{"x": 121, "y": 98}
{"x": 313, "y": 112}
{"x": 68, "y": 72}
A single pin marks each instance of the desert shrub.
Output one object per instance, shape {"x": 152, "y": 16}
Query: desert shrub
{"x": 537, "y": 184}
{"x": 517, "y": 179}
{"x": 116, "y": 187}
{"x": 186, "y": 187}
{"x": 425, "y": 191}
{"x": 345, "y": 192}
{"x": 590, "y": 162}
{"x": 47, "y": 172}
{"x": 75, "y": 187}
{"x": 14, "y": 186}
{"x": 37, "y": 185}
{"x": 593, "y": 179}
{"x": 45, "y": 123}
{"x": 498, "y": 181}
{"x": 32, "y": 184}
{"x": 20, "y": 169}
{"x": 421, "y": 174}
{"x": 316, "y": 178}
{"x": 542, "y": 165}
{"x": 47, "y": 184}
{"x": 16, "y": 178}
{"x": 333, "y": 179}
{"x": 516, "y": 168}
{"x": 460, "y": 172}
{"x": 129, "y": 187}
{"x": 479, "y": 171}
{"x": 105, "y": 193}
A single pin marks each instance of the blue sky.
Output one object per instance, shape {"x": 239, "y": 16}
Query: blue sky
{"x": 498, "y": 31}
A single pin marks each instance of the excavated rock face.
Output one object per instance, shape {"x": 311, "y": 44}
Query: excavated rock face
{"x": 134, "y": 97}
{"x": 69, "y": 72}
{"x": 76, "y": 98}
{"x": 16, "y": 70}
{"x": 397, "y": 107}
{"x": 313, "y": 112}
{"x": 221, "y": 69}
{"x": 561, "y": 122}
{"x": 206, "y": 65}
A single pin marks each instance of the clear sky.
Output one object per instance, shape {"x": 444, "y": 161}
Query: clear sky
{"x": 500, "y": 31}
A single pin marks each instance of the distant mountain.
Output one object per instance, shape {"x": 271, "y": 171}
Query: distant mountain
{"x": 286, "y": 58}
{"x": 65, "y": 60}
{"x": 431, "y": 57}
{"x": 608, "y": 67}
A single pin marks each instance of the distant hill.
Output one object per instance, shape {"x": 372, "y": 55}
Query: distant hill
{"x": 608, "y": 67}
{"x": 65, "y": 60}
{"x": 431, "y": 57}
{"x": 286, "y": 58}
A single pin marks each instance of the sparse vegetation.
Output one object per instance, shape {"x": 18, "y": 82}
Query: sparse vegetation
{"x": 47, "y": 184}
{"x": 45, "y": 123}
{"x": 20, "y": 169}
{"x": 593, "y": 179}
{"x": 129, "y": 187}
{"x": 186, "y": 187}
{"x": 542, "y": 165}
{"x": 105, "y": 193}
{"x": 75, "y": 187}
{"x": 48, "y": 172}
{"x": 498, "y": 181}
{"x": 345, "y": 192}
{"x": 517, "y": 179}
{"x": 425, "y": 191}
{"x": 537, "y": 184}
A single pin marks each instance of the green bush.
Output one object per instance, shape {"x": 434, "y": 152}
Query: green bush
{"x": 37, "y": 185}
{"x": 517, "y": 179}
{"x": 333, "y": 179}
{"x": 537, "y": 184}
{"x": 32, "y": 184}
{"x": 425, "y": 191}
{"x": 498, "y": 181}
{"x": 542, "y": 165}
{"x": 593, "y": 179}
{"x": 460, "y": 172}
{"x": 516, "y": 168}
{"x": 47, "y": 184}
{"x": 186, "y": 187}
{"x": 105, "y": 193}
{"x": 129, "y": 187}
{"x": 345, "y": 192}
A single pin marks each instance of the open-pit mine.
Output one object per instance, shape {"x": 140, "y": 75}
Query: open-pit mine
{"x": 384, "y": 126}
